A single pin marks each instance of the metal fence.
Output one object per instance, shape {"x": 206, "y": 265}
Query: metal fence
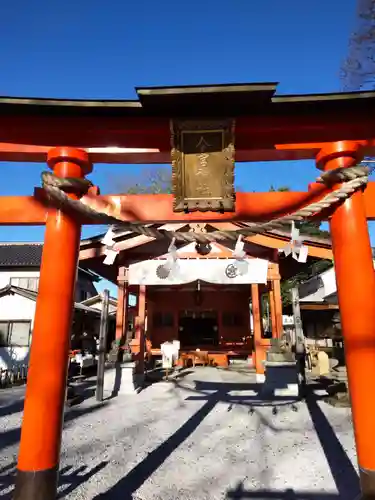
{"x": 16, "y": 375}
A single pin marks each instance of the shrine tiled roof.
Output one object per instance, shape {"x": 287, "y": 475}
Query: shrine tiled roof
{"x": 30, "y": 294}
{"x": 20, "y": 254}
{"x": 28, "y": 255}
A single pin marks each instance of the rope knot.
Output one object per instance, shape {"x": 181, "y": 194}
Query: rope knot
{"x": 67, "y": 184}
{"x": 340, "y": 174}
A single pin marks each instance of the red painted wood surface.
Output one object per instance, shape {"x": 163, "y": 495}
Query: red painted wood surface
{"x": 258, "y": 131}
{"x": 49, "y": 354}
{"x": 250, "y": 207}
{"x": 172, "y": 302}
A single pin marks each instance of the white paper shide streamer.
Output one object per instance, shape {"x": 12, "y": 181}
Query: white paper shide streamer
{"x": 109, "y": 252}
{"x": 170, "y": 266}
{"x": 296, "y": 247}
{"x": 240, "y": 265}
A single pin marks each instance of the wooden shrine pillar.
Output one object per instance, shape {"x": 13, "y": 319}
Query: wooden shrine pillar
{"x": 259, "y": 342}
{"x": 39, "y": 453}
{"x": 271, "y": 298}
{"x": 122, "y": 303}
{"x": 140, "y": 328}
{"x": 276, "y": 302}
{"x": 355, "y": 279}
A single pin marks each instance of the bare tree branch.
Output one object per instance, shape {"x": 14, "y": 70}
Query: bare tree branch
{"x": 154, "y": 180}
{"x": 358, "y": 69}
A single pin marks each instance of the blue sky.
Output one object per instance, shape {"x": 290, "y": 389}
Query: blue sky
{"x": 96, "y": 49}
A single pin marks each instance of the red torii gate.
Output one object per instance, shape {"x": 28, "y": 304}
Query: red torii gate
{"x": 336, "y": 130}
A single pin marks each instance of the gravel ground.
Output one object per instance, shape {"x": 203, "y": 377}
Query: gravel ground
{"x": 204, "y": 436}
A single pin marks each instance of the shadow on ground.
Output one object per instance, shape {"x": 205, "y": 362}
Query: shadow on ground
{"x": 84, "y": 389}
{"x": 12, "y": 436}
{"x": 343, "y": 472}
{"x": 69, "y": 479}
{"x": 11, "y": 408}
{"x": 159, "y": 374}
{"x": 288, "y": 494}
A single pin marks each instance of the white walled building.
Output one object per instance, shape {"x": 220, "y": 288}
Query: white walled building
{"x": 20, "y": 266}
{"x": 19, "y": 281}
{"x": 96, "y": 302}
{"x": 320, "y": 288}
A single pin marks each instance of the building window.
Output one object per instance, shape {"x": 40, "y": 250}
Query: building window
{"x": 231, "y": 319}
{"x": 15, "y": 333}
{"x": 27, "y": 283}
{"x": 162, "y": 320}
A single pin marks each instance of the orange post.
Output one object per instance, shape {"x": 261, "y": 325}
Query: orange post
{"x": 39, "y": 454}
{"x": 140, "y": 328}
{"x": 271, "y": 298}
{"x": 356, "y": 291}
{"x": 122, "y": 303}
{"x": 260, "y": 349}
{"x": 278, "y": 305}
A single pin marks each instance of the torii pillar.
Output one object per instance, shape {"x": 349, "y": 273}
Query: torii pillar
{"x": 39, "y": 454}
{"x": 355, "y": 279}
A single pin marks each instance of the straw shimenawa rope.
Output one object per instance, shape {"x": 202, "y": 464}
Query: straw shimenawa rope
{"x": 351, "y": 180}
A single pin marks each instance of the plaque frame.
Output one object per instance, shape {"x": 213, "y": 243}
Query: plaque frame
{"x": 200, "y": 190}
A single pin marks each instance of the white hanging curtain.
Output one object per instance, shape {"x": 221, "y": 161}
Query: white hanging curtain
{"x": 189, "y": 270}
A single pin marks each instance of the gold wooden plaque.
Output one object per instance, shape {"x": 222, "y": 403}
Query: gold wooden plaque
{"x": 203, "y": 165}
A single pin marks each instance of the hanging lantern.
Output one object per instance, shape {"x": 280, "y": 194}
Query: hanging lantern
{"x": 203, "y": 248}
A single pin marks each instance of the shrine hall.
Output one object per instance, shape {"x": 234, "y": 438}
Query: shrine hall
{"x": 198, "y": 302}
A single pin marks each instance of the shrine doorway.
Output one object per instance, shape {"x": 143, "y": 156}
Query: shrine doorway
{"x": 198, "y": 329}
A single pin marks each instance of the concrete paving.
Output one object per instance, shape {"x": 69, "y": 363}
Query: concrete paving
{"x": 206, "y": 435}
